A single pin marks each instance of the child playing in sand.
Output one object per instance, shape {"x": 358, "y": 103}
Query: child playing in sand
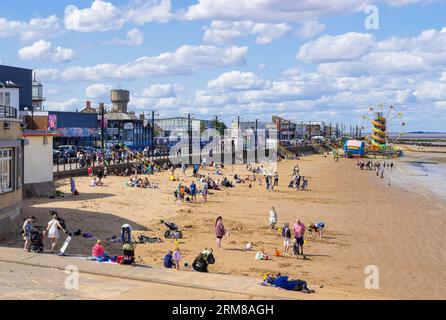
{"x": 177, "y": 258}
{"x": 261, "y": 255}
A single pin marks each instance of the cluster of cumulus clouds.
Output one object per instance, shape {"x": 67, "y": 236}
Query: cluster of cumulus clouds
{"x": 331, "y": 74}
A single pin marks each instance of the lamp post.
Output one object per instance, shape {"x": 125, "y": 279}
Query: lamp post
{"x": 152, "y": 140}
{"x": 102, "y": 126}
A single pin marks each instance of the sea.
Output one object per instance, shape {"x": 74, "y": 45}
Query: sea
{"x": 424, "y": 173}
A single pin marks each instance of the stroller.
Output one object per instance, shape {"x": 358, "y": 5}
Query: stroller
{"x": 172, "y": 232}
{"x": 203, "y": 260}
{"x": 36, "y": 238}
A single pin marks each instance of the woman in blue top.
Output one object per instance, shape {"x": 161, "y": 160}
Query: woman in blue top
{"x": 193, "y": 190}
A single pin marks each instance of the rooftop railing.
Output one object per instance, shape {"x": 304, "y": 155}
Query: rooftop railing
{"x": 8, "y": 112}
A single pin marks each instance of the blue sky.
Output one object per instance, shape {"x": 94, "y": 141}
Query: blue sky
{"x": 304, "y": 60}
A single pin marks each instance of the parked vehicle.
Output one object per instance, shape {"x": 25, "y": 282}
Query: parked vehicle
{"x": 70, "y": 150}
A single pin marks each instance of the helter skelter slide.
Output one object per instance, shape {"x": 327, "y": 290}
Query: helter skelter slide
{"x": 379, "y": 120}
{"x": 379, "y": 135}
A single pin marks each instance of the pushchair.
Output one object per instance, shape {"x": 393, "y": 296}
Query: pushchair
{"x": 172, "y": 231}
{"x": 36, "y": 238}
{"x": 128, "y": 253}
{"x": 203, "y": 260}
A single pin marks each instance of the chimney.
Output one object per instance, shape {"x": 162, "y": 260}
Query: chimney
{"x": 87, "y": 105}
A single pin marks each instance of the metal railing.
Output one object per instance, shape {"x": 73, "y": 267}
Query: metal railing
{"x": 8, "y": 112}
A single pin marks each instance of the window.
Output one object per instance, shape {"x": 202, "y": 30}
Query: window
{"x": 7, "y": 99}
{"x": 6, "y": 180}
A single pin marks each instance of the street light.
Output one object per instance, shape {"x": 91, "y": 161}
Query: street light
{"x": 152, "y": 144}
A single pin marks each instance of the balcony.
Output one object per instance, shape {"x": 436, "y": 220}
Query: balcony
{"x": 8, "y": 112}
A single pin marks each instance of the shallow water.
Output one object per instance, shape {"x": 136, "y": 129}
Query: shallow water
{"x": 422, "y": 173}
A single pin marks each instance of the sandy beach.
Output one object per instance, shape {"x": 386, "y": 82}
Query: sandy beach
{"x": 367, "y": 223}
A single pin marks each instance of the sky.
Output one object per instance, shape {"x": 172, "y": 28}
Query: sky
{"x": 307, "y": 60}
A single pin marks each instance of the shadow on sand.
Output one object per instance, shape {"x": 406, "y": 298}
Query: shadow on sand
{"x": 100, "y": 225}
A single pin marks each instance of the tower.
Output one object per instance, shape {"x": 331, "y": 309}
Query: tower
{"x": 37, "y": 93}
{"x": 120, "y": 99}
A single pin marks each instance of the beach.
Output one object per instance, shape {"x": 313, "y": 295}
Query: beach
{"x": 367, "y": 223}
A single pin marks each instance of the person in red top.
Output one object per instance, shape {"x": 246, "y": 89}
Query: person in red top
{"x": 98, "y": 251}
{"x": 299, "y": 232}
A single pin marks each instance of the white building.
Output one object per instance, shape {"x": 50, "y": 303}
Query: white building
{"x": 38, "y": 168}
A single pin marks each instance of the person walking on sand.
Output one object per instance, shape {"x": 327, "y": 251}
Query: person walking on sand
{"x": 53, "y": 231}
{"x": 27, "y": 228}
{"x": 276, "y": 180}
{"x": 204, "y": 190}
{"x": 299, "y": 232}
{"x": 177, "y": 258}
{"x": 220, "y": 231}
{"x": 286, "y": 236}
{"x": 193, "y": 191}
{"x": 272, "y": 218}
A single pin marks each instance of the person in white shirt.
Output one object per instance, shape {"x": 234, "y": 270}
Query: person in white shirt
{"x": 272, "y": 218}
{"x": 53, "y": 230}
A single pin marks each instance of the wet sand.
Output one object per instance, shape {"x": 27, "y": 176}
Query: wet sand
{"x": 367, "y": 223}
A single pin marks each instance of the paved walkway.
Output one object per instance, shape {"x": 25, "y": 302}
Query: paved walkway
{"x": 41, "y": 276}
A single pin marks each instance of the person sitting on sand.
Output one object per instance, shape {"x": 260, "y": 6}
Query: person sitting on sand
{"x": 98, "y": 252}
{"x": 262, "y": 255}
{"x": 283, "y": 282}
{"x": 93, "y": 183}
{"x": 168, "y": 260}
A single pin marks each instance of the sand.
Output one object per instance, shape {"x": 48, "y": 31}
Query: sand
{"x": 367, "y": 223}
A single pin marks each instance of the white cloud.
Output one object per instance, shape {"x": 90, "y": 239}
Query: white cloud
{"x": 98, "y": 91}
{"x": 105, "y": 16}
{"x": 236, "y": 80}
{"x": 227, "y": 31}
{"x": 328, "y": 48}
{"x": 159, "y": 96}
{"x": 43, "y": 50}
{"x": 162, "y": 91}
{"x": 28, "y": 31}
{"x": 49, "y": 74}
{"x": 101, "y": 16}
{"x": 145, "y": 11}
{"x": 134, "y": 37}
{"x": 68, "y": 105}
{"x": 279, "y": 10}
{"x": 184, "y": 61}
{"x": 310, "y": 28}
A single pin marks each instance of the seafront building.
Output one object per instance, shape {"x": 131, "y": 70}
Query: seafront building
{"x": 11, "y": 157}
